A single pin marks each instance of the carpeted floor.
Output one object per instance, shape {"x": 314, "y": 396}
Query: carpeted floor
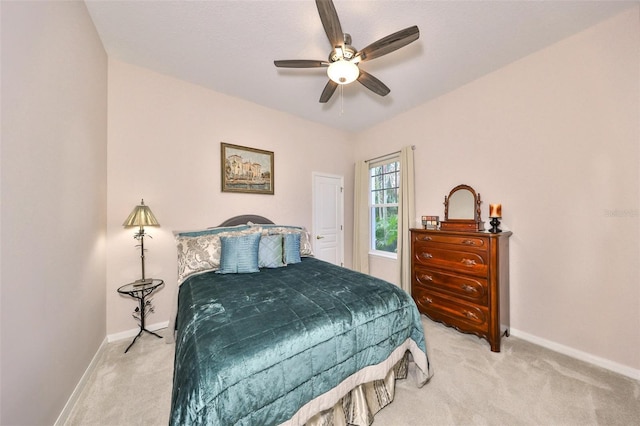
{"x": 522, "y": 385}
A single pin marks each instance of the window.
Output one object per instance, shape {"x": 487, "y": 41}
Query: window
{"x": 384, "y": 185}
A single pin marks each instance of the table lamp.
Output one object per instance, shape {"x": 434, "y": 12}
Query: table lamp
{"x": 141, "y": 216}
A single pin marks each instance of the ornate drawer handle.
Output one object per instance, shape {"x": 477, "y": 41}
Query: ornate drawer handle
{"x": 426, "y": 277}
{"x": 469, "y": 242}
{"x": 469, "y": 289}
{"x": 470, "y": 315}
{"x": 468, "y": 262}
{"x": 426, "y": 255}
{"x": 426, "y": 238}
{"x": 428, "y": 300}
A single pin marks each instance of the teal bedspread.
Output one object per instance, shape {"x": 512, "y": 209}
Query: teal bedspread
{"x": 251, "y": 349}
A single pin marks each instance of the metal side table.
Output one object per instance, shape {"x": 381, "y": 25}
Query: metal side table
{"x": 141, "y": 290}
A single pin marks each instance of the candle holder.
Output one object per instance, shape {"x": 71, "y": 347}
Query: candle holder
{"x": 495, "y": 222}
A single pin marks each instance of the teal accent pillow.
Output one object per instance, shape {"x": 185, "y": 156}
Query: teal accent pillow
{"x": 270, "y": 252}
{"x": 213, "y": 231}
{"x": 239, "y": 254}
{"x": 305, "y": 244}
{"x": 291, "y": 248}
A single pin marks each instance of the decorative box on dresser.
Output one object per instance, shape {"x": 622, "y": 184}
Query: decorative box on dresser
{"x": 461, "y": 279}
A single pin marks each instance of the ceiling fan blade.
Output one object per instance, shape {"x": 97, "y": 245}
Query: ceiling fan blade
{"x": 300, "y": 63}
{"x": 328, "y": 91}
{"x": 389, "y": 43}
{"x": 373, "y": 84}
{"x": 330, "y": 22}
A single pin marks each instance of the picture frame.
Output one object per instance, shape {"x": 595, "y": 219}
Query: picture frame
{"x": 245, "y": 169}
{"x": 430, "y": 222}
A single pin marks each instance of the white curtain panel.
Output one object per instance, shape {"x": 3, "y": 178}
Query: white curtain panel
{"x": 361, "y": 218}
{"x": 406, "y": 216}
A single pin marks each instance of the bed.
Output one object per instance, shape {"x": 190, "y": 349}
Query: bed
{"x": 266, "y": 334}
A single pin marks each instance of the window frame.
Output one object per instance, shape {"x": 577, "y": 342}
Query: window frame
{"x": 386, "y": 160}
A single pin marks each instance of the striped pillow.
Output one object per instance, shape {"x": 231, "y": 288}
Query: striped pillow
{"x": 292, "y": 248}
{"x": 239, "y": 254}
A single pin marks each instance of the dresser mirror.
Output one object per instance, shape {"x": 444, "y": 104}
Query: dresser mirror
{"x": 462, "y": 210}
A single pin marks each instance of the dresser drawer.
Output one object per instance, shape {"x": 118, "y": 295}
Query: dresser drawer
{"x": 473, "y": 289}
{"x": 467, "y": 262}
{"x": 456, "y": 240}
{"x": 464, "y": 316}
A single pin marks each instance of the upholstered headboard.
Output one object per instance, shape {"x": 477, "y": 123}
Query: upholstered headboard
{"x": 243, "y": 219}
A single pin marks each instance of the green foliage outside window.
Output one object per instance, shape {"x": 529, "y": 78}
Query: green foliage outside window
{"x": 387, "y": 231}
{"x": 385, "y": 181}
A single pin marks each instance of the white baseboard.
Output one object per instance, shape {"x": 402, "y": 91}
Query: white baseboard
{"x": 71, "y": 402}
{"x": 132, "y": 332}
{"x": 574, "y": 353}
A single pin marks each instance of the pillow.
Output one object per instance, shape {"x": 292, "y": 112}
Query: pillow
{"x": 212, "y": 231}
{"x": 306, "y": 250}
{"x": 239, "y": 254}
{"x": 197, "y": 255}
{"x": 292, "y": 248}
{"x": 270, "y": 252}
{"x": 305, "y": 244}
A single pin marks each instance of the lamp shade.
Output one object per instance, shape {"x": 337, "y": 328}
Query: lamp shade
{"x": 343, "y": 72}
{"x": 141, "y": 216}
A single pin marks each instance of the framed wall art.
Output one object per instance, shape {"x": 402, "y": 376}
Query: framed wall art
{"x": 245, "y": 169}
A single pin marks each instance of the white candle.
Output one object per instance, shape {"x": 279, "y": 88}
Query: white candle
{"x": 495, "y": 210}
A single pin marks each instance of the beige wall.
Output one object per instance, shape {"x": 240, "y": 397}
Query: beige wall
{"x": 555, "y": 138}
{"x": 54, "y": 147}
{"x": 164, "y": 145}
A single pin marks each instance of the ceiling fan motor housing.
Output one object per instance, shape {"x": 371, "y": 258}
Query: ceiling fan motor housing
{"x": 345, "y": 51}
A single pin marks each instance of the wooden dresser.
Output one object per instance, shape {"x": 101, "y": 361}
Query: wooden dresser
{"x": 462, "y": 280}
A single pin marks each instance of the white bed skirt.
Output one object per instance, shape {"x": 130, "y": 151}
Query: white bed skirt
{"x": 358, "y": 398}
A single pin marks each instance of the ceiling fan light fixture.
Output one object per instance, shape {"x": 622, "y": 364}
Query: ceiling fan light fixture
{"x": 343, "y": 72}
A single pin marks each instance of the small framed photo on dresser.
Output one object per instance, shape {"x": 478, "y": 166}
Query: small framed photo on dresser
{"x": 430, "y": 222}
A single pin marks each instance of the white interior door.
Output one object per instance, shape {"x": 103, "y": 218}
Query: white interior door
{"x": 328, "y": 218}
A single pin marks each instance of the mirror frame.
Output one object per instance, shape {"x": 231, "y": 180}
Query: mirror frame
{"x": 475, "y": 224}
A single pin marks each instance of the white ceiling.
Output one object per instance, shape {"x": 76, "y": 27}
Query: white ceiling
{"x": 229, "y": 46}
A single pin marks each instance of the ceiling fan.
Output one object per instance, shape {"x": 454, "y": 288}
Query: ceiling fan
{"x": 342, "y": 66}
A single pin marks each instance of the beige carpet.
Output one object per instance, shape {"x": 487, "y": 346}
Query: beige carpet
{"x": 523, "y": 385}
